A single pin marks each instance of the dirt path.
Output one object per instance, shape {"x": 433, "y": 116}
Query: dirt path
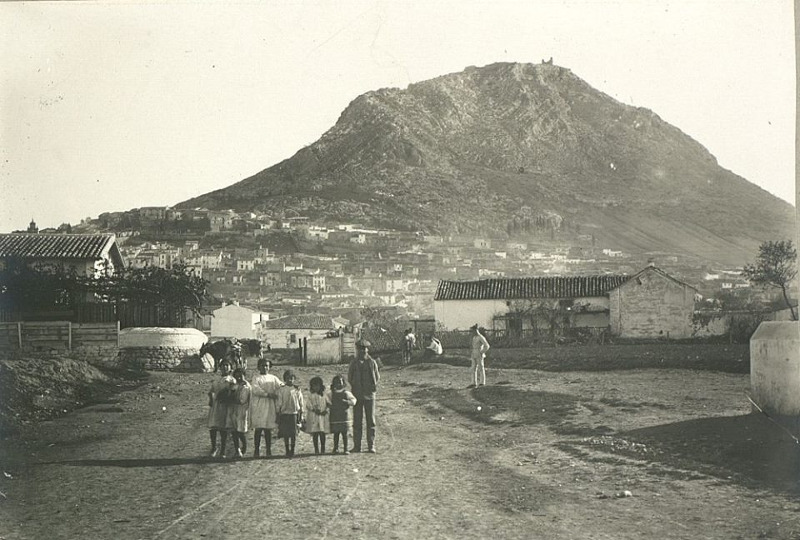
{"x": 542, "y": 458}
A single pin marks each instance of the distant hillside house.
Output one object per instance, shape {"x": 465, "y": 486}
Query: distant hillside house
{"x": 234, "y": 321}
{"x": 287, "y": 332}
{"x": 649, "y": 304}
{"x": 87, "y": 254}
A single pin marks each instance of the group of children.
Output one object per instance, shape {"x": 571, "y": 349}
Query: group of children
{"x": 267, "y": 404}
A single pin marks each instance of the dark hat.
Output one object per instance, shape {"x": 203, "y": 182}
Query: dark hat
{"x": 474, "y": 326}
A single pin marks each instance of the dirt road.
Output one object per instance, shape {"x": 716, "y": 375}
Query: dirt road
{"x": 544, "y": 457}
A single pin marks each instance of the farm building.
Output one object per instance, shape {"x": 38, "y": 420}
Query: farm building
{"x": 235, "y": 321}
{"x": 504, "y": 302}
{"x": 648, "y": 304}
{"x": 287, "y": 332}
{"x": 652, "y": 304}
{"x": 87, "y": 254}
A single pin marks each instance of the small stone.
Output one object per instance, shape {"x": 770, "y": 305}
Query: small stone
{"x": 164, "y": 409}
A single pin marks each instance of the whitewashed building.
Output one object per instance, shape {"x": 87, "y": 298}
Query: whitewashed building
{"x": 649, "y": 304}
{"x": 236, "y": 321}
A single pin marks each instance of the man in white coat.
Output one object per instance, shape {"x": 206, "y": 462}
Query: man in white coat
{"x": 478, "y": 354}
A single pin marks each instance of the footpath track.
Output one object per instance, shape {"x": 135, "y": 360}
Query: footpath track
{"x": 137, "y": 467}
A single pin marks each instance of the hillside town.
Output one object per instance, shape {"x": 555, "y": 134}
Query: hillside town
{"x": 293, "y": 265}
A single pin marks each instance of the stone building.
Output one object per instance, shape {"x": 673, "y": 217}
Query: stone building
{"x": 649, "y": 304}
{"x": 287, "y": 332}
{"x": 652, "y": 304}
{"x": 498, "y": 303}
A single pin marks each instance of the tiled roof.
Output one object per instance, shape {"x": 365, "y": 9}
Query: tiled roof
{"x": 655, "y": 270}
{"x": 59, "y": 246}
{"x": 533, "y": 287}
{"x": 312, "y": 322}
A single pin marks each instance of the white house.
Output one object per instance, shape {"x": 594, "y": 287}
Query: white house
{"x": 236, "y": 321}
{"x": 287, "y": 332}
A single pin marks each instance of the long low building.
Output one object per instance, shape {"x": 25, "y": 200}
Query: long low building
{"x": 648, "y": 304}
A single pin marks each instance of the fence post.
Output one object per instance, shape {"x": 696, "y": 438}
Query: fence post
{"x": 69, "y": 335}
{"x": 117, "y": 334}
{"x": 305, "y": 351}
{"x": 19, "y": 334}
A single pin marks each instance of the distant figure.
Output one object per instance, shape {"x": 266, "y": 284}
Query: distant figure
{"x": 408, "y": 343}
{"x": 363, "y": 376}
{"x": 477, "y": 356}
{"x": 434, "y": 349}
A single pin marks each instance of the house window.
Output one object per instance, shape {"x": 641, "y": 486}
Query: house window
{"x": 292, "y": 338}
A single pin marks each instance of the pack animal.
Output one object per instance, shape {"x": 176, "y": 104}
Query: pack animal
{"x": 221, "y": 350}
{"x": 251, "y": 348}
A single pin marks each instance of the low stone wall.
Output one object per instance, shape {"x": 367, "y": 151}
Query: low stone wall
{"x": 161, "y": 349}
{"x": 160, "y": 359}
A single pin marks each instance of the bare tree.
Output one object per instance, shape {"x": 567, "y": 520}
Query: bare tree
{"x": 775, "y": 266}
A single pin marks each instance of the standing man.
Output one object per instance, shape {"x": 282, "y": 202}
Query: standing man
{"x": 363, "y": 377}
{"x": 409, "y": 342}
{"x": 478, "y": 354}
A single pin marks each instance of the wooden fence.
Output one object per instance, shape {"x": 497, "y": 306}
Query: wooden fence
{"x": 128, "y": 314}
{"x": 57, "y": 334}
{"x": 333, "y": 350}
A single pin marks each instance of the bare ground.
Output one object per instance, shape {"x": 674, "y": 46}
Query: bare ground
{"x": 544, "y": 457}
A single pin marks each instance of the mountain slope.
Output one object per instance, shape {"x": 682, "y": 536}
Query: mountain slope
{"x": 475, "y": 150}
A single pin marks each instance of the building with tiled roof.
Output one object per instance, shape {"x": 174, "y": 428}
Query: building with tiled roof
{"x": 650, "y": 303}
{"x": 287, "y": 332}
{"x": 527, "y": 288}
{"x": 88, "y": 254}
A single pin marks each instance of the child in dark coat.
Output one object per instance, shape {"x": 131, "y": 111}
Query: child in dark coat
{"x": 341, "y": 401}
{"x": 289, "y": 407}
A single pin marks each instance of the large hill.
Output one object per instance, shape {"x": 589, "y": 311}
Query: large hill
{"x": 489, "y": 149}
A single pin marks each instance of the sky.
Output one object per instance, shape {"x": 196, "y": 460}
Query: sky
{"x": 108, "y": 107}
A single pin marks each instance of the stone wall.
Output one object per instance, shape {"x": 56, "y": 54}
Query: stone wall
{"x": 160, "y": 359}
{"x": 161, "y": 349}
{"x": 174, "y": 349}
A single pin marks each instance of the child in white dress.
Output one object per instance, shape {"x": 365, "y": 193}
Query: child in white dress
{"x": 218, "y": 408}
{"x": 317, "y": 417}
{"x": 263, "y": 410}
{"x": 239, "y": 412}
